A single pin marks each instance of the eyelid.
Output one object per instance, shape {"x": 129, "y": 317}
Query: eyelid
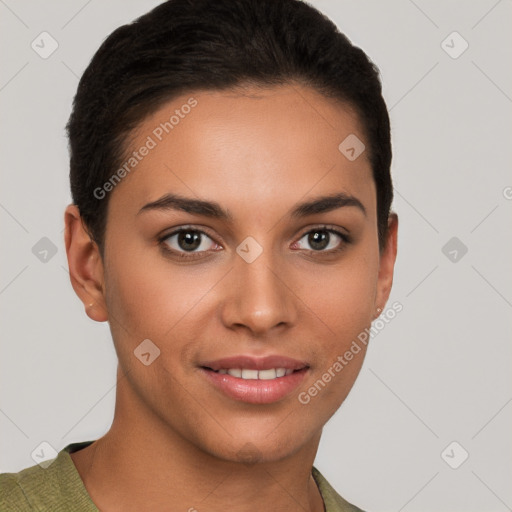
{"x": 187, "y": 227}
{"x": 327, "y": 227}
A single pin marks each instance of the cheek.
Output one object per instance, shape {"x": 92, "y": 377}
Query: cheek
{"x": 344, "y": 300}
{"x": 146, "y": 294}
{"x": 343, "y": 296}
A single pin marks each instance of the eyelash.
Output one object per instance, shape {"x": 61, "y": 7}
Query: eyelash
{"x": 193, "y": 256}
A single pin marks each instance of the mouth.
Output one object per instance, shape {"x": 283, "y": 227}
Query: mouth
{"x": 250, "y": 374}
{"x": 255, "y": 380}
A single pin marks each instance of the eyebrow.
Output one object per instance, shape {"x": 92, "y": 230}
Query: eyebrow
{"x": 213, "y": 210}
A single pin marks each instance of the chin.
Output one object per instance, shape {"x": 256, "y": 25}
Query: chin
{"x": 250, "y": 450}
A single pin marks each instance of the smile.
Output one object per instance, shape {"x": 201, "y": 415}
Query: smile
{"x": 246, "y": 374}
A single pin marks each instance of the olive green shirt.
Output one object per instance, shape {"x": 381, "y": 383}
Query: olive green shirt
{"x": 59, "y": 488}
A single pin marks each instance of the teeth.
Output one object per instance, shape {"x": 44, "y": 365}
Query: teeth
{"x": 269, "y": 374}
{"x": 249, "y": 374}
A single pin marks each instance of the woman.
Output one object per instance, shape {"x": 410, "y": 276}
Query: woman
{"x": 230, "y": 173}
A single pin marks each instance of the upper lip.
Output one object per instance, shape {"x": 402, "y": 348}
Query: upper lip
{"x": 255, "y": 363}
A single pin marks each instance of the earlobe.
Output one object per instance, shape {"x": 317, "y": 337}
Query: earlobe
{"x": 387, "y": 262}
{"x": 85, "y": 265}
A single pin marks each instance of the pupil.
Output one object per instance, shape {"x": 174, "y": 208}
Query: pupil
{"x": 319, "y": 239}
{"x": 189, "y": 240}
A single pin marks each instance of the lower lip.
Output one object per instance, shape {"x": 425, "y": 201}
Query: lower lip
{"x": 255, "y": 391}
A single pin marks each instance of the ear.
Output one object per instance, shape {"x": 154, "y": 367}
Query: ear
{"x": 387, "y": 263}
{"x": 85, "y": 265}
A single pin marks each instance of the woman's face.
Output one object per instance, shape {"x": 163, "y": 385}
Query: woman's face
{"x": 249, "y": 278}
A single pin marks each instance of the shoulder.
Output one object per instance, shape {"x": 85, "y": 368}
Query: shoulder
{"x": 332, "y": 500}
{"x": 11, "y": 494}
{"x": 53, "y": 485}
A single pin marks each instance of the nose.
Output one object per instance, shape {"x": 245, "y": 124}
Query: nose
{"x": 259, "y": 298}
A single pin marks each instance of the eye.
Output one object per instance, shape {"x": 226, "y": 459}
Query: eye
{"x": 185, "y": 242}
{"x": 323, "y": 239}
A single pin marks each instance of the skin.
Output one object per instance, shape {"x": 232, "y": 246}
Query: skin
{"x": 176, "y": 442}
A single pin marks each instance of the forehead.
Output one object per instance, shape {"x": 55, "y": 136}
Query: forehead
{"x": 255, "y": 144}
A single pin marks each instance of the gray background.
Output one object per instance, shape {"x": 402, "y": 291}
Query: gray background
{"x": 438, "y": 373}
